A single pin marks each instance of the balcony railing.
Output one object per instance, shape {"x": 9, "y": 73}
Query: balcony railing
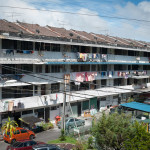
{"x": 29, "y": 56}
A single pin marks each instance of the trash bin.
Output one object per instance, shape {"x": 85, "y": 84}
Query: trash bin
{"x": 57, "y": 118}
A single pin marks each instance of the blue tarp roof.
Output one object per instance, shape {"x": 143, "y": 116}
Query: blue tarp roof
{"x": 137, "y": 106}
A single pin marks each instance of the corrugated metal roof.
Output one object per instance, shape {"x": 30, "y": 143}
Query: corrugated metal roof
{"x": 103, "y": 63}
{"x": 137, "y": 106}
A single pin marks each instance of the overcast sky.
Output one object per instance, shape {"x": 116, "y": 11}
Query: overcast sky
{"x": 97, "y": 16}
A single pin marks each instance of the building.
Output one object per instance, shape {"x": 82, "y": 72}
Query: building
{"x": 99, "y": 70}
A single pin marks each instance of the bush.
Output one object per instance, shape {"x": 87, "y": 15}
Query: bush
{"x": 90, "y": 143}
{"x": 62, "y": 136}
{"x": 47, "y": 126}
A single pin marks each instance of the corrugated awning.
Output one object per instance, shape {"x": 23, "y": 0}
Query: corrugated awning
{"x": 137, "y": 106}
{"x": 30, "y": 120}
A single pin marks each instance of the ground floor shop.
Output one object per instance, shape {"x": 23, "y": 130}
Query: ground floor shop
{"x": 72, "y": 109}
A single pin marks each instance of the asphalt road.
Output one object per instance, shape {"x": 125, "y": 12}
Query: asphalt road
{"x": 51, "y": 134}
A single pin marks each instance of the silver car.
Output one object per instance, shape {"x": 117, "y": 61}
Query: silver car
{"x": 72, "y": 122}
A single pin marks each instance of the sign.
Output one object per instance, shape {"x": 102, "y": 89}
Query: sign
{"x": 67, "y": 78}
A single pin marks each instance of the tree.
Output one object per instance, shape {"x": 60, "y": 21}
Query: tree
{"x": 118, "y": 132}
{"x": 9, "y": 126}
{"x": 140, "y": 139}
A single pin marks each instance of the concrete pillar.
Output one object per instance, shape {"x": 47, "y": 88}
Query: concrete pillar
{"x": 43, "y": 68}
{"x": 0, "y": 93}
{"x": 34, "y": 46}
{"x": 48, "y": 87}
{"x": 33, "y": 90}
{"x": 1, "y": 47}
{"x": 61, "y": 48}
{"x": 39, "y": 90}
{"x": 34, "y": 68}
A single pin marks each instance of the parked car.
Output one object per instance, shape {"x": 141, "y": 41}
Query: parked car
{"x": 23, "y": 145}
{"x": 19, "y": 134}
{"x": 72, "y": 122}
{"x": 46, "y": 147}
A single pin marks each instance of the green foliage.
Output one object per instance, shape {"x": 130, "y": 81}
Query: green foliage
{"x": 140, "y": 138}
{"x": 69, "y": 139}
{"x": 79, "y": 146}
{"x": 9, "y": 126}
{"x": 90, "y": 143}
{"x": 46, "y": 126}
{"x": 130, "y": 99}
{"x": 116, "y": 131}
{"x": 62, "y": 136}
{"x": 111, "y": 131}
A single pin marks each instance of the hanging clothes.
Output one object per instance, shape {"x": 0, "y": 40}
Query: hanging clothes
{"x": 80, "y": 76}
{"x": 90, "y": 76}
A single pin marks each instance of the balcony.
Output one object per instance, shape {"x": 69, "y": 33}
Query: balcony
{"x": 44, "y": 57}
{"x": 49, "y": 78}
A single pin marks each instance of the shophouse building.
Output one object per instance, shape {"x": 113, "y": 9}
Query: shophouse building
{"x": 38, "y": 64}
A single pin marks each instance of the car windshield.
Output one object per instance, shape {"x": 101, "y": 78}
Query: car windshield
{"x": 17, "y": 144}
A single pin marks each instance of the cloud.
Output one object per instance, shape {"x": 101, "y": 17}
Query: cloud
{"x": 97, "y": 24}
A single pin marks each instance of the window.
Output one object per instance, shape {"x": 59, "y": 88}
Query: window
{"x": 103, "y": 67}
{"x": 17, "y": 132}
{"x": 93, "y": 67}
{"x": 32, "y": 142}
{"x": 103, "y": 82}
{"x": 42, "y": 149}
{"x": 38, "y": 68}
{"x": 103, "y": 99}
{"x": 27, "y": 112}
{"x": 55, "y": 47}
{"x": 84, "y": 68}
{"x": 71, "y": 120}
{"x": 55, "y": 68}
{"x": 74, "y": 48}
{"x": 55, "y": 88}
{"x": 103, "y": 50}
{"x": 23, "y": 131}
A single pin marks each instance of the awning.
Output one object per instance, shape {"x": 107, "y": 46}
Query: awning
{"x": 137, "y": 106}
{"x": 30, "y": 120}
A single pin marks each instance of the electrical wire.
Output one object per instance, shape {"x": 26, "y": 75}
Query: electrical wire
{"x": 73, "y": 13}
{"x": 80, "y": 93}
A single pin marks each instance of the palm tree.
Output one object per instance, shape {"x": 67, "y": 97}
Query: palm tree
{"x": 10, "y": 126}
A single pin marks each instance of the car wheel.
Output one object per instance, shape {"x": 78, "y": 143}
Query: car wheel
{"x": 13, "y": 141}
{"x": 31, "y": 137}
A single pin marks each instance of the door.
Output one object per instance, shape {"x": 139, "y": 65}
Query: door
{"x": 17, "y": 135}
{"x": 79, "y": 108}
{"x": 93, "y": 103}
{"x": 47, "y": 111}
{"x": 24, "y": 134}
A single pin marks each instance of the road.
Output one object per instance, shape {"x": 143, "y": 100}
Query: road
{"x": 49, "y": 135}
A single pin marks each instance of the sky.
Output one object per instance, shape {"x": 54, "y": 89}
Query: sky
{"x": 122, "y": 18}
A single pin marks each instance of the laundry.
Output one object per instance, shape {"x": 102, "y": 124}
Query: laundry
{"x": 27, "y": 52}
{"x": 90, "y": 76}
{"x": 104, "y": 57}
{"x": 80, "y": 76}
{"x": 8, "y": 51}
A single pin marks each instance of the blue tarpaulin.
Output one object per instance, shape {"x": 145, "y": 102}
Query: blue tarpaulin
{"x": 137, "y": 106}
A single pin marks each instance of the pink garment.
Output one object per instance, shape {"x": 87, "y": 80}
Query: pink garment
{"x": 90, "y": 76}
{"x": 80, "y": 76}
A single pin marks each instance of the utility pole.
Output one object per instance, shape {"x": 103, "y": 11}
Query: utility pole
{"x": 67, "y": 80}
{"x": 64, "y": 106}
